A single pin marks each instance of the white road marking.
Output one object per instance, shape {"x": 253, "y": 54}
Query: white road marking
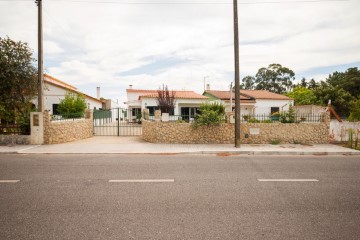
{"x": 142, "y": 181}
{"x": 288, "y": 180}
{"x": 29, "y": 148}
{"x": 9, "y": 181}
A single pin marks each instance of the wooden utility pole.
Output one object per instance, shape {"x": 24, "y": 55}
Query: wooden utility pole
{"x": 40, "y": 59}
{"x": 237, "y": 76}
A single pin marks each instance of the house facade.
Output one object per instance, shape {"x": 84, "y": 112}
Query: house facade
{"x": 253, "y": 102}
{"x": 187, "y": 103}
{"x": 55, "y": 90}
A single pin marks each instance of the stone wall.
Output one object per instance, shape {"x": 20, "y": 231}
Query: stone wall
{"x": 67, "y": 130}
{"x": 14, "y": 139}
{"x": 251, "y": 133}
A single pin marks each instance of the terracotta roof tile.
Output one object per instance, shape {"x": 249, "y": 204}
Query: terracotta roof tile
{"x": 51, "y": 79}
{"x": 178, "y": 94}
{"x": 263, "y": 94}
{"x": 225, "y": 95}
{"x": 56, "y": 82}
{"x": 248, "y": 94}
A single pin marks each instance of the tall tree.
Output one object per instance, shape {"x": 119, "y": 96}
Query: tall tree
{"x": 248, "y": 82}
{"x": 340, "y": 99}
{"x": 18, "y": 79}
{"x": 312, "y": 84}
{"x": 348, "y": 80}
{"x": 166, "y": 100}
{"x": 275, "y": 78}
{"x": 303, "y": 96}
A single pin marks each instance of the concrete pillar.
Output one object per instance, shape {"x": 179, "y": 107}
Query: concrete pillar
{"x": 37, "y": 128}
{"x": 146, "y": 114}
{"x": 157, "y": 115}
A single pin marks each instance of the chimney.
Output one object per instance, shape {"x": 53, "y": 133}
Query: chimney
{"x": 207, "y": 87}
{"x": 130, "y": 86}
{"x": 98, "y": 92}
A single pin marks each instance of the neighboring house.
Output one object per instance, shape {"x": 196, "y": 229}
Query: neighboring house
{"x": 254, "y": 102}
{"x": 55, "y": 90}
{"x": 309, "y": 109}
{"x": 187, "y": 103}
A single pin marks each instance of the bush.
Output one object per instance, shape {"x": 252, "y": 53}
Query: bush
{"x": 73, "y": 105}
{"x": 210, "y": 114}
{"x": 288, "y": 116}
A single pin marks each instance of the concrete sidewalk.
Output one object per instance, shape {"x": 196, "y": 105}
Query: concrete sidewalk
{"x": 134, "y": 145}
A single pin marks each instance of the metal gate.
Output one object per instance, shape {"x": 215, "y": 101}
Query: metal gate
{"x": 115, "y": 122}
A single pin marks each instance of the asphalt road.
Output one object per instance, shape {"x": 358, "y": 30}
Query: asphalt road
{"x": 203, "y": 197}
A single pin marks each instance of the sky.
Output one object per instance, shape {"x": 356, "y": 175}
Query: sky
{"x": 182, "y": 43}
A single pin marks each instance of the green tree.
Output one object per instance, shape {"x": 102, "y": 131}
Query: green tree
{"x": 312, "y": 84}
{"x": 354, "y": 111}
{"x": 275, "y": 78}
{"x": 348, "y": 80}
{"x": 340, "y": 99}
{"x": 73, "y": 105}
{"x": 248, "y": 82}
{"x": 18, "y": 80}
{"x": 303, "y": 96}
{"x": 210, "y": 114}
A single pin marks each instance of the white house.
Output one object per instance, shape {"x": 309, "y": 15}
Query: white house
{"x": 256, "y": 102}
{"x": 55, "y": 90}
{"x": 187, "y": 103}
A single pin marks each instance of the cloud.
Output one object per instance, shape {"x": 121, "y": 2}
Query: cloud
{"x": 114, "y": 45}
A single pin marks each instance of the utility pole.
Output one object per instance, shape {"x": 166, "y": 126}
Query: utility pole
{"x": 237, "y": 76}
{"x": 40, "y": 59}
{"x": 231, "y": 96}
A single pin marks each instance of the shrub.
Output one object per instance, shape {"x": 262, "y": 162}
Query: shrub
{"x": 253, "y": 120}
{"x": 73, "y": 105}
{"x": 288, "y": 116}
{"x": 210, "y": 114}
{"x": 275, "y": 142}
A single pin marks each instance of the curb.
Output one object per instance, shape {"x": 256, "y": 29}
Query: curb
{"x": 225, "y": 153}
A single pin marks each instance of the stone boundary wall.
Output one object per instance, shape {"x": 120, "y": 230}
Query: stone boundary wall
{"x": 15, "y": 139}
{"x": 251, "y": 133}
{"x": 67, "y": 130}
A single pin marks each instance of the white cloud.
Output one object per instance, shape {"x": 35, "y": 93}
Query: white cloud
{"x": 89, "y": 45}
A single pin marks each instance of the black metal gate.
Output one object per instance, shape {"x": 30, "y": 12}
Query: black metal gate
{"x": 115, "y": 122}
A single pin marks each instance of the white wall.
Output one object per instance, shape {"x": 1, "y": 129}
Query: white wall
{"x": 339, "y": 131}
{"x": 54, "y": 94}
{"x": 263, "y": 106}
{"x": 149, "y": 102}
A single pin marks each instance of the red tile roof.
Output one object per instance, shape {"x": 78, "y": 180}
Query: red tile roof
{"x": 263, "y": 94}
{"x": 248, "y": 94}
{"x": 178, "y": 94}
{"x": 225, "y": 95}
{"x": 56, "y": 82}
{"x": 51, "y": 79}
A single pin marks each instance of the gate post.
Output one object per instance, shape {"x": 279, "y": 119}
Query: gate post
{"x": 118, "y": 122}
{"x": 37, "y": 128}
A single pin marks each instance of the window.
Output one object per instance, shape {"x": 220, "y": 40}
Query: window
{"x": 54, "y": 109}
{"x": 152, "y": 110}
{"x": 274, "y": 109}
{"x": 135, "y": 111}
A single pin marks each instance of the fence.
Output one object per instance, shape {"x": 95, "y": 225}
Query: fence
{"x": 67, "y": 117}
{"x": 297, "y": 118}
{"x": 14, "y": 129}
{"x": 257, "y": 118}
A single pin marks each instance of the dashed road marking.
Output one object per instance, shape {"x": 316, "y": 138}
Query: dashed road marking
{"x": 9, "y": 181}
{"x": 142, "y": 181}
{"x": 288, "y": 180}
